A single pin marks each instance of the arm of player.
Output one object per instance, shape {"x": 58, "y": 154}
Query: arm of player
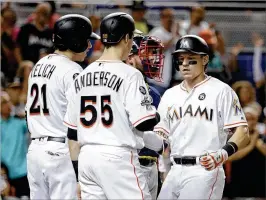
{"x": 141, "y": 113}
{"x": 162, "y": 129}
{"x": 153, "y": 141}
{"x": 74, "y": 148}
{"x": 234, "y": 121}
{"x": 70, "y": 120}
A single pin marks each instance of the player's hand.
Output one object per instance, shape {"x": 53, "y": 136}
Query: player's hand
{"x": 211, "y": 160}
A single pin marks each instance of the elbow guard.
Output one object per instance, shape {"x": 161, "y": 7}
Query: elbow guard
{"x": 72, "y": 134}
{"x": 148, "y": 124}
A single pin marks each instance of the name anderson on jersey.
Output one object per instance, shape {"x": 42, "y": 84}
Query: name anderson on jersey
{"x": 43, "y": 70}
{"x": 98, "y": 79}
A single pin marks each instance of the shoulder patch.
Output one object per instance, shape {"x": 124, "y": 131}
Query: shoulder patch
{"x": 142, "y": 90}
{"x": 75, "y": 75}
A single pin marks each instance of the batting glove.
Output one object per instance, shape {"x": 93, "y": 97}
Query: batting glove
{"x": 211, "y": 160}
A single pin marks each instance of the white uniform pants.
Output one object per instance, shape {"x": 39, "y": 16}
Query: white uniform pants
{"x": 107, "y": 172}
{"x": 193, "y": 182}
{"x": 50, "y": 171}
{"x": 151, "y": 175}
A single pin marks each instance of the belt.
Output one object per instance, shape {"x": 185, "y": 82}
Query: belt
{"x": 186, "y": 160}
{"x": 147, "y": 160}
{"x": 49, "y": 138}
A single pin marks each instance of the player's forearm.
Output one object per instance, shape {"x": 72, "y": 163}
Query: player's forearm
{"x": 241, "y": 154}
{"x": 74, "y": 149}
{"x": 240, "y": 137}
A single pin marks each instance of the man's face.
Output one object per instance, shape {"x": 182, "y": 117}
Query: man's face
{"x": 135, "y": 61}
{"x": 167, "y": 17}
{"x": 42, "y": 15}
{"x": 190, "y": 65}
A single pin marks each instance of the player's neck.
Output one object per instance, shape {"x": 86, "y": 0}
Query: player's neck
{"x": 190, "y": 83}
{"x": 112, "y": 53}
{"x": 65, "y": 53}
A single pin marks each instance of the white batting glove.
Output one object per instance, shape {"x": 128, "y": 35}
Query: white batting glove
{"x": 211, "y": 160}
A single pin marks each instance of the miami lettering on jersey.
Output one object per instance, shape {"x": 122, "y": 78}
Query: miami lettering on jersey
{"x": 191, "y": 111}
{"x": 98, "y": 79}
{"x": 43, "y": 70}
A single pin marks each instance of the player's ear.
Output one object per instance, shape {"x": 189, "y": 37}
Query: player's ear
{"x": 126, "y": 38}
{"x": 205, "y": 60}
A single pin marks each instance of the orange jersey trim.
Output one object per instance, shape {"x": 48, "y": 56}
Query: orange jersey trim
{"x": 134, "y": 169}
{"x": 235, "y": 123}
{"x": 148, "y": 116}
{"x": 69, "y": 124}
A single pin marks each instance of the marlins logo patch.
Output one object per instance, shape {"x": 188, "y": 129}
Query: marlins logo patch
{"x": 142, "y": 90}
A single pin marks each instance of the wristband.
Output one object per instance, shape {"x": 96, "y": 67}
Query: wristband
{"x": 230, "y": 148}
{"x": 75, "y": 166}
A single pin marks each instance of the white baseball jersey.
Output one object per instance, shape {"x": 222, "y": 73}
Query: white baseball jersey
{"x": 109, "y": 99}
{"x": 49, "y": 82}
{"x": 199, "y": 120}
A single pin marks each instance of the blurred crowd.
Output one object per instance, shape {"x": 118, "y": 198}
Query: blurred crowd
{"x": 22, "y": 46}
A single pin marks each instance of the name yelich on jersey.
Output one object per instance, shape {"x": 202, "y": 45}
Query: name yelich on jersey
{"x": 100, "y": 78}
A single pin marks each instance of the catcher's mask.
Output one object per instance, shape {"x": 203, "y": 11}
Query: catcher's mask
{"x": 152, "y": 58}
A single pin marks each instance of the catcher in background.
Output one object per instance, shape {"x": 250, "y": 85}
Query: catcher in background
{"x": 147, "y": 56}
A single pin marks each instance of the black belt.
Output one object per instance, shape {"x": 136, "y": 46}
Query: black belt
{"x": 49, "y": 138}
{"x": 146, "y": 161}
{"x": 186, "y": 160}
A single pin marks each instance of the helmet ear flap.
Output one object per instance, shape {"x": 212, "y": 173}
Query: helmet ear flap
{"x": 175, "y": 62}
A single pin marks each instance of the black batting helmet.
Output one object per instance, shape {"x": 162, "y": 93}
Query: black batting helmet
{"x": 115, "y": 26}
{"x": 73, "y": 32}
{"x": 192, "y": 44}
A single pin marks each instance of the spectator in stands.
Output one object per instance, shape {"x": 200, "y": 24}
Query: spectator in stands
{"x": 7, "y": 191}
{"x": 53, "y": 15}
{"x": 196, "y": 22}
{"x": 14, "y": 91}
{"x": 14, "y": 147}
{"x": 35, "y": 38}
{"x": 216, "y": 67}
{"x": 9, "y": 63}
{"x": 249, "y": 164}
{"x": 259, "y": 69}
{"x": 138, "y": 9}
{"x": 167, "y": 32}
{"x": 246, "y": 94}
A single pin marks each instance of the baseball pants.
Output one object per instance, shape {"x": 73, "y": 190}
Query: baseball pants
{"x": 151, "y": 175}
{"x": 108, "y": 172}
{"x": 193, "y": 182}
{"x": 50, "y": 171}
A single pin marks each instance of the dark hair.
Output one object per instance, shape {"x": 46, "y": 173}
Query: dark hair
{"x": 14, "y": 15}
{"x": 107, "y": 46}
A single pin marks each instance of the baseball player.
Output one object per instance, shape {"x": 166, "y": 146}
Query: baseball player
{"x": 147, "y": 56}
{"x": 109, "y": 100}
{"x": 196, "y": 118}
{"x": 50, "y": 171}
